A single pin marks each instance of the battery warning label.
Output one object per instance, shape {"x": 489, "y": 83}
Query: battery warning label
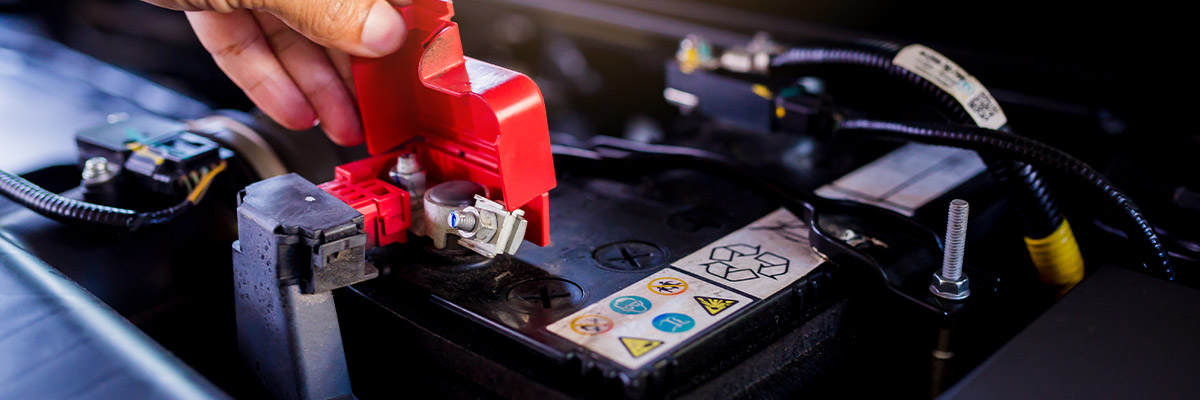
{"x": 630, "y": 305}
{"x": 649, "y": 318}
{"x": 591, "y": 324}
{"x": 714, "y": 305}
{"x": 667, "y": 286}
{"x": 638, "y": 347}
{"x": 674, "y": 322}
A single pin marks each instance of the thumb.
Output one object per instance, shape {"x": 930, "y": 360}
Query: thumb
{"x": 367, "y": 28}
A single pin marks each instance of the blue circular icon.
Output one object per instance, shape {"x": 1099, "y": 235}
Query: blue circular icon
{"x": 674, "y": 322}
{"x": 630, "y": 305}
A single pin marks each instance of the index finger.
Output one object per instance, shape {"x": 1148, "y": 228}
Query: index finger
{"x": 237, "y": 44}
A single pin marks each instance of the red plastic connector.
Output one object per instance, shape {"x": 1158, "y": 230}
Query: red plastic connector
{"x": 464, "y": 119}
{"x": 385, "y": 208}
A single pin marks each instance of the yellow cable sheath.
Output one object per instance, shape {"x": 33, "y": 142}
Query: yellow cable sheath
{"x": 205, "y": 181}
{"x": 762, "y": 91}
{"x": 1057, "y": 257}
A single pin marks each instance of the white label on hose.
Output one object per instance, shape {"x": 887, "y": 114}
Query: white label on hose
{"x": 948, "y": 76}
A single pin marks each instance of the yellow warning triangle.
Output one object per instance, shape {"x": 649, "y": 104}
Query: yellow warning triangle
{"x": 638, "y": 347}
{"x": 714, "y": 305}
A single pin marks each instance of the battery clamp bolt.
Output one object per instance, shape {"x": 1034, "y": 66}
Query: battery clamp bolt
{"x": 951, "y": 282}
{"x": 407, "y": 163}
{"x": 462, "y": 221}
{"x": 408, "y": 174}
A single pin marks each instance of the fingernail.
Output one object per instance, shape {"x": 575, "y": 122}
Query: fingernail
{"x": 384, "y": 30}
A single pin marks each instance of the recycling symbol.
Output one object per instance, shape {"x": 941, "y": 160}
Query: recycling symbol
{"x": 743, "y": 262}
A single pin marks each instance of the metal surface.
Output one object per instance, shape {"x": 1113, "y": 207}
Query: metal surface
{"x": 408, "y": 175}
{"x": 951, "y": 282}
{"x": 96, "y": 170}
{"x": 463, "y": 221}
{"x": 493, "y": 231}
{"x": 439, "y": 203}
{"x": 956, "y": 239}
{"x": 950, "y": 289}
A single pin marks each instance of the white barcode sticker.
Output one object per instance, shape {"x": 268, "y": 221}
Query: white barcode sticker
{"x": 948, "y": 76}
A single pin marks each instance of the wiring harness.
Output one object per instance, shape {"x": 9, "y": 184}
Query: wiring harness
{"x": 1156, "y": 259}
{"x": 1049, "y": 238}
{"x": 68, "y": 210}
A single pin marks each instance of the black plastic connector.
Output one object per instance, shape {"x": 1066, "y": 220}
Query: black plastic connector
{"x": 752, "y": 102}
{"x": 295, "y": 244}
{"x": 155, "y": 153}
{"x": 319, "y": 240}
{"x": 164, "y": 165}
{"x": 115, "y": 141}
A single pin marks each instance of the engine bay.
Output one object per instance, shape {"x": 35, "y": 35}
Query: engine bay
{"x": 612, "y": 201}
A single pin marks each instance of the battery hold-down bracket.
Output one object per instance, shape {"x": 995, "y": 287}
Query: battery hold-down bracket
{"x": 462, "y": 119}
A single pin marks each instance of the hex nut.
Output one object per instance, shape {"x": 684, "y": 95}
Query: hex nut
{"x": 950, "y": 289}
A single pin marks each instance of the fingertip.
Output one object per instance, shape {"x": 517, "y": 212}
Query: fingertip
{"x": 344, "y": 130}
{"x": 384, "y": 30}
{"x": 295, "y": 119}
{"x": 346, "y": 138}
{"x": 286, "y": 106}
{"x": 281, "y": 100}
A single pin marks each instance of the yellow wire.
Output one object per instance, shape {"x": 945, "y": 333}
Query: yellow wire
{"x": 205, "y": 182}
{"x": 1057, "y": 257}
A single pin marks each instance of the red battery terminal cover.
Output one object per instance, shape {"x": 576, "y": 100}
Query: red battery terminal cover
{"x": 463, "y": 118}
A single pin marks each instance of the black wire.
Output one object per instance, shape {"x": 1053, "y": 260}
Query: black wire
{"x": 1040, "y": 213}
{"x": 68, "y": 210}
{"x": 1028, "y": 189}
{"x": 877, "y": 57}
{"x": 1031, "y": 151}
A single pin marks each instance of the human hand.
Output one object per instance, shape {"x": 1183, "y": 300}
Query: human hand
{"x": 292, "y": 57}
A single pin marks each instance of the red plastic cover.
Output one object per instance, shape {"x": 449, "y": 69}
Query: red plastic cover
{"x": 465, "y": 119}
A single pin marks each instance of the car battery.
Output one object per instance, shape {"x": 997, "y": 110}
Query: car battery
{"x": 638, "y": 294}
